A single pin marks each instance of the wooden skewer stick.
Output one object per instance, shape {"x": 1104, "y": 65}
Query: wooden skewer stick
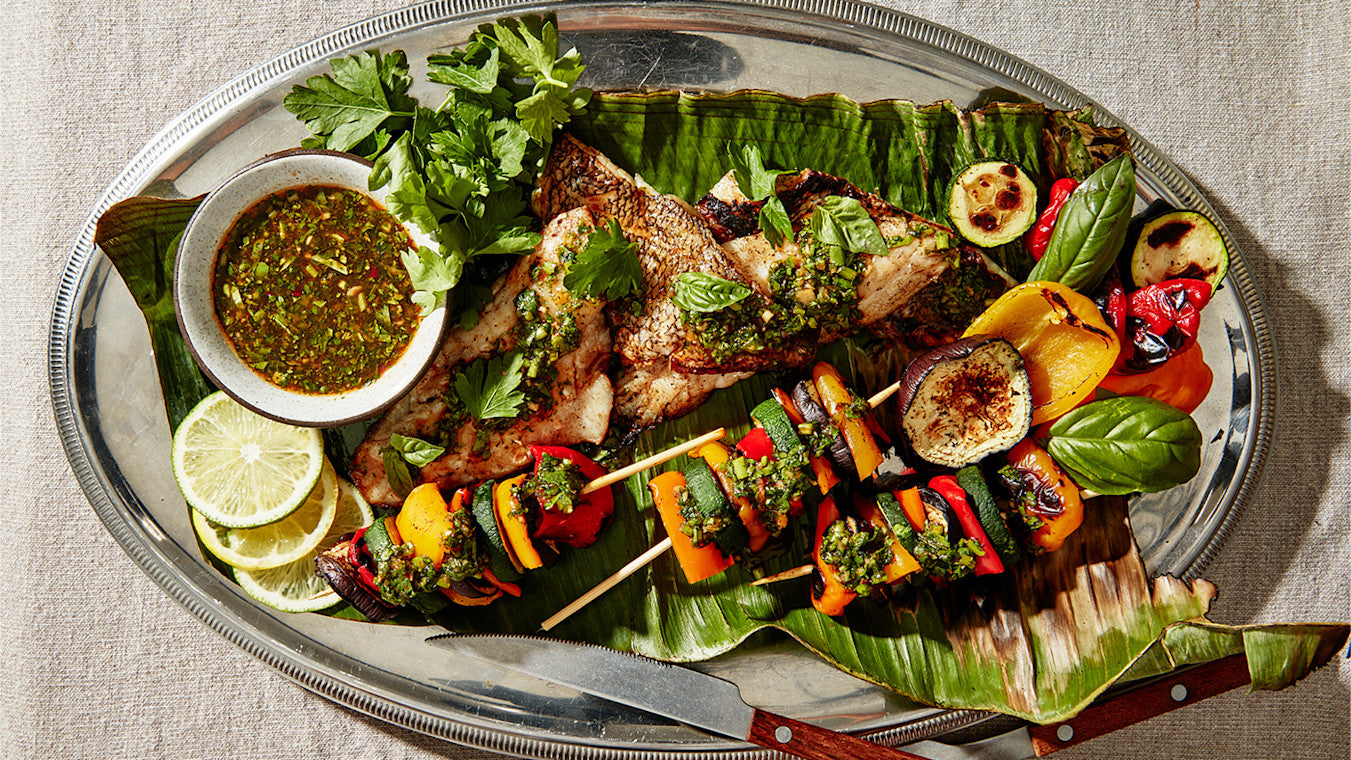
{"x": 607, "y": 584}
{"x": 660, "y": 548}
{"x": 786, "y": 575}
{"x": 652, "y": 461}
{"x": 884, "y": 394}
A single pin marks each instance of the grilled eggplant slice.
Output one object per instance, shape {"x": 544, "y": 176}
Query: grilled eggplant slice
{"x": 966, "y": 400}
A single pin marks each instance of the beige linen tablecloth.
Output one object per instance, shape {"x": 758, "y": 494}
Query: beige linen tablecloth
{"x": 1249, "y": 99}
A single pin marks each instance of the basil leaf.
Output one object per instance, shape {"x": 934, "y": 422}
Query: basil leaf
{"x": 704, "y": 293}
{"x": 844, "y": 222}
{"x": 415, "y": 450}
{"x": 397, "y": 472}
{"x": 1126, "y": 444}
{"x": 774, "y": 221}
{"x": 1091, "y": 228}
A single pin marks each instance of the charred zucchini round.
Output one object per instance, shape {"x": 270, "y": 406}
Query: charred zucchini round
{"x": 992, "y": 202}
{"x": 966, "y": 400}
{"x": 1182, "y": 244}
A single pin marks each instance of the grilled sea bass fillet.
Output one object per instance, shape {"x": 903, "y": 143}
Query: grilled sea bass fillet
{"x": 922, "y": 257}
{"x": 529, "y": 305}
{"x": 652, "y": 347}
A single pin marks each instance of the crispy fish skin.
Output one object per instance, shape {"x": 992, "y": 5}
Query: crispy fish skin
{"x": 653, "y": 348}
{"x": 888, "y": 283}
{"x": 581, "y": 393}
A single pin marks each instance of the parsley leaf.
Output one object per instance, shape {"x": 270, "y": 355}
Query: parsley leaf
{"x": 608, "y": 265}
{"x": 844, "y": 222}
{"x": 366, "y": 91}
{"x": 705, "y": 293}
{"x": 416, "y": 451}
{"x": 491, "y": 387}
{"x": 757, "y": 183}
{"x": 433, "y": 276}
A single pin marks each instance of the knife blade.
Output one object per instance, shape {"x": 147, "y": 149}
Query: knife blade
{"x": 715, "y": 705}
{"x": 682, "y": 694}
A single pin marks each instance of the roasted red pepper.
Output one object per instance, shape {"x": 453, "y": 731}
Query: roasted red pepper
{"x": 988, "y": 563}
{"x": 582, "y": 525}
{"x": 757, "y": 445}
{"x": 1163, "y": 322}
{"x": 1039, "y": 236}
{"x": 1110, "y": 296}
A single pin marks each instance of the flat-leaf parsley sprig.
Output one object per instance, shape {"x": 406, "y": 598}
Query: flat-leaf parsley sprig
{"x": 461, "y": 173}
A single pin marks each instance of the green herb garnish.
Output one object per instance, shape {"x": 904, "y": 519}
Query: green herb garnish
{"x": 490, "y": 388}
{"x": 607, "y": 265}
{"x": 705, "y": 293}
{"x": 757, "y": 183}
{"x": 416, "y": 451}
{"x": 844, "y": 222}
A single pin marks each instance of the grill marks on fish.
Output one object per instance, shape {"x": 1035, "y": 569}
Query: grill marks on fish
{"x": 581, "y": 394}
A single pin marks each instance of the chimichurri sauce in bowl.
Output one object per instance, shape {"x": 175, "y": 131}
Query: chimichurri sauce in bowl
{"x": 309, "y": 287}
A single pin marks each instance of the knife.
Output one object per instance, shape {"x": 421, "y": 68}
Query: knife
{"x": 715, "y": 705}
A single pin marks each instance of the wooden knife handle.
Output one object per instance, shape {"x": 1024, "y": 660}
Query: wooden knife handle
{"x": 1167, "y": 694}
{"x": 815, "y": 743}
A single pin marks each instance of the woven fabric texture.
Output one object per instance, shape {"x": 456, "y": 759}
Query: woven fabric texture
{"x": 1249, "y": 99}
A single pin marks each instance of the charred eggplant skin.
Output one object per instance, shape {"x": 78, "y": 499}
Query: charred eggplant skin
{"x": 334, "y": 567}
{"x": 966, "y": 400}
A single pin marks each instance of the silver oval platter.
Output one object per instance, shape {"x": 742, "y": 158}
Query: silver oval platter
{"x": 111, "y": 418}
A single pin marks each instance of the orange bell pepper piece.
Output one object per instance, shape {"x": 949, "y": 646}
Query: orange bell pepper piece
{"x": 696, "y": 562}
{"x": 1027, "y": 457}
{"x": 1182, "y": 382}
{"x": 834, "y": 597}
{"x": 424, "y": 519}
{"x": 902, "y": 562}
{"x": 836, "y": 398}
{"x": 515, "y": 533}
{"x": 1066, "y": 345}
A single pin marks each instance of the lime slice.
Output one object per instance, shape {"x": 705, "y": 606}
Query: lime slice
{"x": 295, "y": 587}
{"x": 278, "y": 543}
{"x": 241, "y": 470}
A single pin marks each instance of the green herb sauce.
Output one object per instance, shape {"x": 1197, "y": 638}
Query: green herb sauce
{"x": 859, "y": 554}
{"x": 556, "y": 484}
{"x": 310, "y": 289}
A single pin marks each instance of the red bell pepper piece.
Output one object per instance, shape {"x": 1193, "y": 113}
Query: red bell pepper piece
{"x": 756, "y": 445}
{"x": 1164, "y": 320}
{"x": 947, "y": 487}
{"x": 582, "y": 526}
{"x": 1110, "y": 296}
{"x": 1039, "y": 236}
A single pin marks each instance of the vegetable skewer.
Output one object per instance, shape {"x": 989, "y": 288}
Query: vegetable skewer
{"x": 666, "y": 544}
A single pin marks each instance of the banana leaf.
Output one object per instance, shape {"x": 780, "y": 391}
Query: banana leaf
{"x": 1039, "y": 642}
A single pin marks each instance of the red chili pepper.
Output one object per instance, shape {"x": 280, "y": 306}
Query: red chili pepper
{"x": 1163, "y": 322}
{"x": 1039, "y": 236}
{"x": 947, "y": 487}
{"x": 583, "y": 524}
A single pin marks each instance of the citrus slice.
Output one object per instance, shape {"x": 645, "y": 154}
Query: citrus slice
{"x": 295, "y": 587}
{"x": 278, "y": 543}
{"x": 241, "y": 470}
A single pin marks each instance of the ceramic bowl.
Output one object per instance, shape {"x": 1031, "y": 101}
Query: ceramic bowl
{"x": 197, "y": 319}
